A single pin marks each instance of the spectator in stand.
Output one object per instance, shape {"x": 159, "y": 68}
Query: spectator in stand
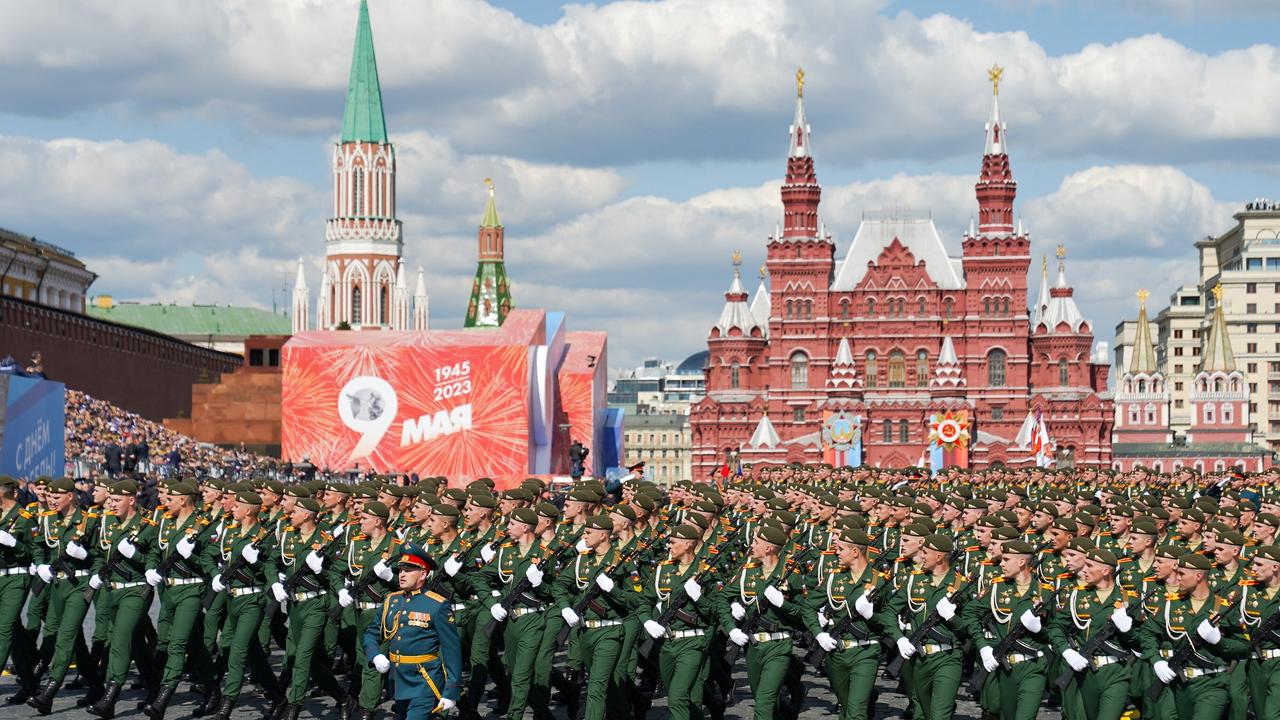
{"x": 113, "y": 458}
{"x": 173, "y": 458}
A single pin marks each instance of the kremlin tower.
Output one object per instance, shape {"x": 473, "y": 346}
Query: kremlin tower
{"x": 900, "y": 347}
{"x": 365, "y": 282}
{"x": 490, "y": 293}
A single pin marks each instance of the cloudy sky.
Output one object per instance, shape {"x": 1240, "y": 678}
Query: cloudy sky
{"x": 182, "y": 147}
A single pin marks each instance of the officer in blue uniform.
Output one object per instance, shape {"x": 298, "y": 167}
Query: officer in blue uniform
{"x": 416, "y": 642}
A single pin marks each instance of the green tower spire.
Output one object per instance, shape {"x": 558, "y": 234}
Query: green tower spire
{"x": 491, "y": 292}
{"x": 363, "y": 120}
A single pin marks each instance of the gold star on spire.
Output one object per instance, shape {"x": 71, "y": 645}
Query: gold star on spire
{"x": 994, "y": 74}
{"x": 1142, "y": 297}
{"x": 799, "y": 82}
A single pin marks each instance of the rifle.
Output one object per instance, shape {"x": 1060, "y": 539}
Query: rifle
{"x": 752, "y": 621}
{"x": 817, "y": 657}
{"x": 1015, "y": 634}
{"x": 55, "y": 567}
{"x": 293, "y": 580}
{"x": 108, "y": 568}
{"x": 166, "y": 565}
{"x": 524, "y": 584}
{"x": 1184, "y": 653}
{"x": 593, "y": 590}
{"x": 440, "y": 578}
{"x": 678, "y": 601}
{"x": 1099, "y": 639}
{"x": 894, "y": 667}
{"x": 230, "y": 568}
{"x": 1267, "y": 628}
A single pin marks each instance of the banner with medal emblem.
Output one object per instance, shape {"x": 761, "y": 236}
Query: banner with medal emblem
{"x": 948, "y": 440}
{"x": 841, "y": 439}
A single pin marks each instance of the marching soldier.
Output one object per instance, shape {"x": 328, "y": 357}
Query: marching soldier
{"x": 17, "y": 535}
{"x": 366, "y": 569}
{"x": 1258, "y": 618}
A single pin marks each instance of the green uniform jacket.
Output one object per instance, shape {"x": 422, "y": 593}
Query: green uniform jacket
{"x": 21, "y": 524}
{"x": 746, "y": 587}
{"x": 834, "y": 598}
{"x": 168, "y": 532}
{"x": 579, "y": 576}
{"x": 292, "y": 558}
{"x": 60, "y": 530}
{"x": 666, "y": 579}
{"x": 995, "y": 612}
{"x": 1174, "y": 625}
{"x": 230, "y": 543}
{"x": 916, "y": 600}
{"x": 140, "y": 532}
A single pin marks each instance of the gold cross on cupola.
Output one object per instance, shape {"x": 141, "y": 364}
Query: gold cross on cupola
{"x": 1061, "y": 252}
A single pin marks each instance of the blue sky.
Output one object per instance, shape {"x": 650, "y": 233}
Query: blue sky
{"x": 184, "y": 151}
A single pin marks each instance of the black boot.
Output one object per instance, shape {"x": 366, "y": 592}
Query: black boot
{"x": 365, "y": 714}
{"x": 27, "y": 686}
{"x": 155, "y": 710}
{"x": 211, "y": 701}
{"x": 291, "y": 711}
{"x": 106, "y": 707}
{"x": 96, "y": 691}
{"x": 43, "y": 703}
{"x": 344, "y": 703}
{"x": 224, "y": 709}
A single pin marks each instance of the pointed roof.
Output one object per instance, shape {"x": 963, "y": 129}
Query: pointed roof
{"x": 402, "y": 280}
{"x": 1062, "y": 306}
{"x": 1042, "y": 298}
{"x": 947, "y": 374}
{"x": 764, "y": 435}
{"x": 948, "y": 354}
{"x": 421, "y": 290}
{"x": 761, "y": 305}
{"x": 736, "y": 312}
{"x": 800, "y": 131}
{"x": 300, "y": 282}
{"x": 490, "y": 219}
{"x": 844, "y": 356}
{"x": 363, "y": 120}
{"x": 1144, "y": 351}
{"x": 997, "y": 143}
{"x": 1216, "y": 355}
{"x": 844, "y": 376}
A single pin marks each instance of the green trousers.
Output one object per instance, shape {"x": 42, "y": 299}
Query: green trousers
{"x": 767, "y": 665}
{"x": 128, "y": 626}
{"x": 13, "y": 636}
{"x": 244, "y": 616}
{"x": 1101, "y": 694}
{"x": 852, "y": 674}
{"x": 934, "y": 682}
{"x": 543, "y": 666}
{"x": 104, "y": 613}
{"x": 1020, "y": 689}
{"x": 67, "y": 610}
{"x": 213, "y": 618}
{"x": 306, "y": 654}
{"x": 180, "y": 612}
{"x": 371, "y": 681}
{"x": 684, "y": 668}
{"x": 521, "y": 640}
{"x": 600, "y": 650}
{"x": 37, "y": 609}
{"x": 1264, "y": 688}
{"x": 1204, "y": 698}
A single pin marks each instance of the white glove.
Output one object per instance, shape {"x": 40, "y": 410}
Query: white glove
{"x": 1030, "y": 621}
{"x": 581, "y": 546}
{"x": 7, "y": 539}
{"x": 1164, "y": 672}
{"x": 738, "y": 637}
{"x": 1120, "y": 618}
{"x": 905, "y": 648}
{"x": 95, "y": 581}
{"x": 487, "y": 552}
{"x": 946, "y": 608}
{"x": 1208, "y": 632}
{"x": 864, "y": 606}
{"x": 498, "y": 612}
{"x": 315, "y": 562}
{"x": 217, "y": 584}
{"x": 737, "y": 610}
{"x": 570, "y": 617}
{"x": 383, "y": 571}
{"x": 534, "y": 574}
{"x": 344, "y": 598}
{"x": 693, "y": 590}
{"x": 185, "y": 547}
{"x": 822, "y": 620}
{"x": 126, "y": 548}
{"x": 338, "y": 530}
{"x": 153, "y": 577}
{"x": 45, "y": 572}
{"x": 75, "y": 551}
{"x": 277, "y": 589}
{"x": 774, "y": 596}
{"x": 1077, "y": 661}
{"x": 444, "y": 706}
{"x": 249, "y": 553}
{"x": 988, "y": 655}
{"x": 826, "y": 642}
{"x": 452, "y": 565}
{"x": 605, "y": 582}
{"x": 654, "y": 629}
{"x": 381, "y": 663}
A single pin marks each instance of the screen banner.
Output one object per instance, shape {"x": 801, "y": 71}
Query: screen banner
{"x": 32, "y": 427}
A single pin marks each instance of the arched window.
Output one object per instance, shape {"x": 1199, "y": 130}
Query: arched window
{"x": 897, "y": 369}
{"x": 357, "y": 191}
{"x": 734, "y": 370}
{"x": 904, "y": 431}
{"x": 888, "y": 431}
{"x": 383, "y": 317}
{"x": 948, "y": 305}
{"x": 808, "y": 309}
{"x": 873, "y": 375}
{"x": 1005, "y": 310}
{"x": 920, "y": 310}
{"x": 1133, "y": 414}
{"x": 844, "y": 309}
{"x": 799, "y": 370}
{"x": 356, "y": 317}
{"x": 922, "y": 368}
{"x": 790, "y": 307}
{"x": 1062, "y": 372}
{"x": 1217, "y": 385}
{"x": 995, "y": 368}
{"x": 871, "y": 307}
{"x": 986, "y": 307}
{"x": 1142, "y": 384}
{"x": 1150, "y": 414}
{"x": 1226, "y": 413}
{"x": 1208, "y": 413}
{"x": 901, "y": 307}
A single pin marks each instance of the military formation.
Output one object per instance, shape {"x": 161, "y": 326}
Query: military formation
{"x": 1105, "y": 595}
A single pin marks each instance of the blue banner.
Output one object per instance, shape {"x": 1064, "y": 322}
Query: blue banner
{"x": 32, "y": 427}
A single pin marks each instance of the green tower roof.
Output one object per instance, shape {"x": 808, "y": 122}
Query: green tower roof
{"x": 363, "y": 120}
{"x": 490, "y": 219}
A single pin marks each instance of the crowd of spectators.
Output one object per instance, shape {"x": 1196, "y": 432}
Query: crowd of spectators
{"x": 103, "y": 439}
